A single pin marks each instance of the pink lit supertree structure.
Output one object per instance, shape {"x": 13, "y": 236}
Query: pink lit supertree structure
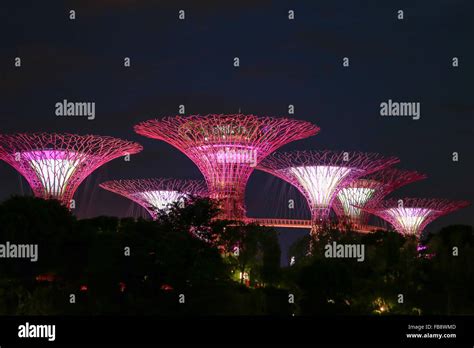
{"x": 156, "y": 194}
{"x": 320, "y": 175}
{"x": 55, "y": 164}
{"x": 226, "y": 148}
{"x": 369, "y": 190}
{"x": 409, "y": 216}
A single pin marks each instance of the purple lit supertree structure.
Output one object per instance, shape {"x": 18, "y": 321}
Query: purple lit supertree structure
{"x": 409, "y": 216}
{"x": 369, "y": 190}
{"x": 55, "y": 164}
{"x": 320, "y": 175}
{"x": 226, "y": 148}
{"x": 156, "y": 194}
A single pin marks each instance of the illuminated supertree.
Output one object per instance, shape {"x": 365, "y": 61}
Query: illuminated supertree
{"x": 320, "y": 175}
{"x": 55, "y": 164}
{"x": 370, "y": 189}
{"x": 156, "y": 194}
{"x": 409, "y": 216}
{"x": 226, "y": 148}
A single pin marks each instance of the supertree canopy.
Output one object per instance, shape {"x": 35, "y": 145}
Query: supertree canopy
{"x": 226, "y": 148}
{"x": 320, "y": 175}
{"x": 410, "y": 216}
{"x": 55, "y": 164}
{"x": 156, "y": 194}
{"x": 370, "y": 189}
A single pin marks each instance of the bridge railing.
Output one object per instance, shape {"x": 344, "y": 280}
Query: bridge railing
{"x": 300, "y": 223}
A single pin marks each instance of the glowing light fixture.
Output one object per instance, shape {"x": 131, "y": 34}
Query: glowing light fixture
{"x": 320, "y": 175}
{"x": 226, "y": 148}
{"x": 410, "y": 216}
{"x": 55, "y": 164}
{"x": 368, "y": 190}
{"x": 156, "y": 194}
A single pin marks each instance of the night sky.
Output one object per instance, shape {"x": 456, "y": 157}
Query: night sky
{"x": 282, "y": 62}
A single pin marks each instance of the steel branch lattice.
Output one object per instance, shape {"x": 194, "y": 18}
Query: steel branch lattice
{"x": 410, "y": 216}
{"x": 320, "y": 175}
{"x": 226, "y": 148}
{"x": 369, "y": 190}
{"x": 55, "y": 164}
{"x": 156, "y": 194}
